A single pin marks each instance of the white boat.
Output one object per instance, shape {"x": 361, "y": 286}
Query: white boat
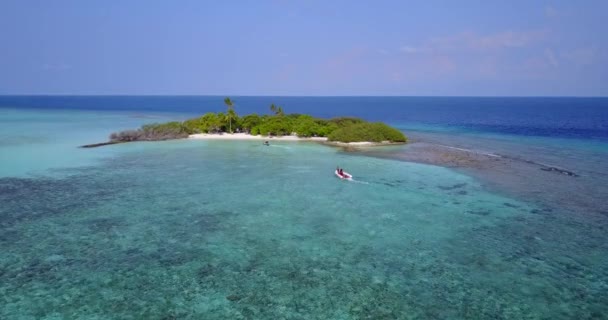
{"x": 345, "y": 175}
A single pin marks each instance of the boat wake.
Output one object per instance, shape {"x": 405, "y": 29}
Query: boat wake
{"x": 277, "y": 146}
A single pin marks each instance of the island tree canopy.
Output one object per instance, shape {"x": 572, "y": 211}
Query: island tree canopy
{"x": 342, "y": 129}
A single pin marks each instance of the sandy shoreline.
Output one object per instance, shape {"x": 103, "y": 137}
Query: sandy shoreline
{"x": 245, "y": 136}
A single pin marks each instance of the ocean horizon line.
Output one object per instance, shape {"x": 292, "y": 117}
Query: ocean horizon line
{"x": 305, "y": 96}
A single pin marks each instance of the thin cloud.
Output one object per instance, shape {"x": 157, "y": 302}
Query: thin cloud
{"x": 475, "y": 55}
{"x": 551, "y": 12}
{"x": 580, "y": 56}
{"x": 551, "y": 57}
{"x": 507, "y": 39}
{"x": 469, "y": 41}
{"x": 501, "y": 40}
{"x": 412, "y": 49}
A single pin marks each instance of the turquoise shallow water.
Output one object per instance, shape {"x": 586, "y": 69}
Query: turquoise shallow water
{"x": 237, "y": 230}
{"x": 32, "y": 141}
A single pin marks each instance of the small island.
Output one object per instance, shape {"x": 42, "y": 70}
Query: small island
{"x": 231, "y": 126}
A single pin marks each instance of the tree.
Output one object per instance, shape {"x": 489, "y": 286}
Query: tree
{"x": 250, "y": 121}
{"x": 230, "y": 105}
{"x": 278, "y": 126}
{"x": 232, "y": 116}
{"x": 276, "y": 109}
{"x": 222, "y": 119}
{"x": 305, "y": 126}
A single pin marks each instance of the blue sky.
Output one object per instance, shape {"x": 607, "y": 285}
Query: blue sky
{"x": 434, "y": 48}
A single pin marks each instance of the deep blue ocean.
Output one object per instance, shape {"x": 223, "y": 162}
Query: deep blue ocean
{"x": 477, "y": 226}
{"x": 584, "y": 118}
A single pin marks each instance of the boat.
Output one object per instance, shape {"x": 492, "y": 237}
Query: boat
{"x": 346, "y": 176}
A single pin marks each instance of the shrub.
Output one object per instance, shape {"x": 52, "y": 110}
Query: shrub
{"x": 152, "y": 132}
{"x": 345, "y": 129}
{"x": 250, "y": 121}
{"x": 126, "y": 135}
{"x": 209, "y": 122}
{"x": 276, "y": 125}
{"x": 373, "y": 132}
{"x": 306, "y": 126}
{"x": 342, "y": 122}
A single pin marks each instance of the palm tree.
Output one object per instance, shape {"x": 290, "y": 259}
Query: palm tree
{"x": 230, "y": 105}
{"x": 276, "y": 109}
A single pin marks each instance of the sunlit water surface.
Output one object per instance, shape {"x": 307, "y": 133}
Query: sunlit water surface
{"x": 238, "y": 230}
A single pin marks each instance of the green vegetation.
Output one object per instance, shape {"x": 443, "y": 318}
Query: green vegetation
{"x": 276, "y": 109}
{"x": 373, "y": 132}
{"x": 343, "y": 129}
{"x": 152, "y": 132}
{"x": 231, "y": 113}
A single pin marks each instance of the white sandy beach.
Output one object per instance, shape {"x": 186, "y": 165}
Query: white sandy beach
{"x": 246, "y": 136}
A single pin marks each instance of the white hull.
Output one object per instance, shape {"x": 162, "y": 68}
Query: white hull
{"x": 346, "y": 176}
